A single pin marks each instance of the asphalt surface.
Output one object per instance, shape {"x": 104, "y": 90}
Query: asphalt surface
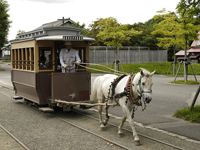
{"x": 167, "y": 98}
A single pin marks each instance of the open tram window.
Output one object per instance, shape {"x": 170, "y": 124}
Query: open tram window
{"x": 45, "y": 60}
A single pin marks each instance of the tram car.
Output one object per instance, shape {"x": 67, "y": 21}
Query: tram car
{"x": 42, "y": 82}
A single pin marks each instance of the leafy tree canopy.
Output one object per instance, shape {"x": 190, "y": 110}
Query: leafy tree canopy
{"x": 4, "y": 22}
{"x": 169, "y": 27}
{"x": 77, "y": 25}
{"x": 93, "y": 30}
{"x": 114, "y": 34}
{"x": 190, "y": 6}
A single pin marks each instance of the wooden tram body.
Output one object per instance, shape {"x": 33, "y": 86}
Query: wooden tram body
{"x": 41, "y": 81}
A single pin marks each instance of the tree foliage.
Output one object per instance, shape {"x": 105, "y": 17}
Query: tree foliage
{"x": 146, "y": 38}
{"x": 114, "y": 34}
{"x": 4, "y": 22}
{"x": 77, "y": 25}
{"x": 93, "y": 30}
{"x": 169, "y": 27}
{"x": 191, "y": 6}
{"x": 19, "y": 32}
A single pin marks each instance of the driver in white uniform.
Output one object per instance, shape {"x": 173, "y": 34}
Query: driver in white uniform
{"x": 68, "y": 58}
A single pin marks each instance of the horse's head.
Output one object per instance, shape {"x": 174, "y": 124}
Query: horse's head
{"x": 145, "y": 84}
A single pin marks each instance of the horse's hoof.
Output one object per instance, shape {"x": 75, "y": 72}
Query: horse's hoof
{"x": 103, "y": 128}
{"x": 120, "y": 135}
{"x": 137, "y": 143}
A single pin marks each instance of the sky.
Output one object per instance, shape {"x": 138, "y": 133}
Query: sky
{"x": 27, "y": 15}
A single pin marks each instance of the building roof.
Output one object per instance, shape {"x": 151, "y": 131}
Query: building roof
{"x": 196, "y": 43}
{"x": 194, "y": 56}
{"x": 193, "y": 50}
{"x": 181, "y": 53}
{"x": 58, "y": 22}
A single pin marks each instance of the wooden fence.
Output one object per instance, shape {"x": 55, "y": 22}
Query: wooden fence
{"x": 127, "y": 55}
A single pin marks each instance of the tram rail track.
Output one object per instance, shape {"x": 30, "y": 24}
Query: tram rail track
{"x": 145, "y": 136}
{"x": 16, "y": 139}
{"x": 106, "y": 139}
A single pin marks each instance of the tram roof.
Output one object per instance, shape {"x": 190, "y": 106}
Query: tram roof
{"x": 52, "y": 31}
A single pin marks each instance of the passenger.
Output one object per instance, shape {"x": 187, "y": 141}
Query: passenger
{"x": 68, "y": 58}
{"x": 42, "y": 59}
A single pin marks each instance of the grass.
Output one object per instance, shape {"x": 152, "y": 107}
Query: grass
{"x": 183, "y": 82}
{"x": 2, "y": 69}
{"x": 192, "y": 116}
{"x": 6, "y": 61}
{"x": 161, "y": 68}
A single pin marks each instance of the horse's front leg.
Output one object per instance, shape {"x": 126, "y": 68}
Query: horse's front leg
{"x": 107, "y": 116}
{"x": 128, "y": 113}
{"x": 102, "y": 126}
{"x": 120, "y": 133}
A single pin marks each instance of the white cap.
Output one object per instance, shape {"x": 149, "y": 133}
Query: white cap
{"x": 68, "y": 43}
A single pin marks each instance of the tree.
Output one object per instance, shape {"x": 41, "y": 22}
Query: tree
{"x": 188, "y": 31}
{"x": 19, "y": 32}
{"x": 191, "y": 6}
{"x": 77, "y": 25}
{"x": 4, "y": 22}
{"x": 169, "y": 28}
{"x": 113, "y": 34}
{"x": 93, "y": 31}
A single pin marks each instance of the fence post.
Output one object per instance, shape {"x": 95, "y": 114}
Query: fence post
{"x": 139, "y": 55}
{"x": 158, "y": 55}
{"x": 149, "y": 54}
{"x": 106, "y": 55}
{"x": 94, "y": 55}
{"x": 129, "y": 55}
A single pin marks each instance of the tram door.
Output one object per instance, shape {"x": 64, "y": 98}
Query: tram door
{"x": 81, "y": 51}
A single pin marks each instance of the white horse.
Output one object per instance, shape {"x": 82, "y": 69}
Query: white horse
{"x": 128, "y": 92}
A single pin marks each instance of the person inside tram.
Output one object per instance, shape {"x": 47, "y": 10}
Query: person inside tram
{"x": 68, "y": 58}
{"x": 42, "y": 59}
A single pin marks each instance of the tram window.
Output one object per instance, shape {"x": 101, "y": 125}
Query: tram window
{"x": 32, "y": 59}
{"x": 45, "y": 59}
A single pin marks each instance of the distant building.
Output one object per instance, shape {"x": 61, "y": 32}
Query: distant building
{"x": 5, "y": 52}
{"x": 193, "y": 54}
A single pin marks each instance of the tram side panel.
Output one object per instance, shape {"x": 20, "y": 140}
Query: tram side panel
{"x": 71, "y": 86}
{"x": 34, "y": 87}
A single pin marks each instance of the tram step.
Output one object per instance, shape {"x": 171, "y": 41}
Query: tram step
{"x": 17, "y": 97}
{"x": 46, "y": 109}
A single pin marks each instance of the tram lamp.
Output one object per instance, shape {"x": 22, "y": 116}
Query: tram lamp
{"x": 73, "y": 38}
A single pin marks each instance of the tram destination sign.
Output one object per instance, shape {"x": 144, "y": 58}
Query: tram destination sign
{"x": 73, "y": 38}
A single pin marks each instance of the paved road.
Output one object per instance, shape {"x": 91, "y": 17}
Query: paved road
{"x": 167, "y": 98}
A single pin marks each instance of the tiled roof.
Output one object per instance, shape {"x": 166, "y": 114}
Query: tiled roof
{"x": 194, "y": 50}
{"x": 58, "y": 22}
{"x": 181, "y": 53}
{"x": 196, "y": 43}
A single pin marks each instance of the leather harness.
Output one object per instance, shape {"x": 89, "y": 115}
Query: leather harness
{"x": 127, "y": 90}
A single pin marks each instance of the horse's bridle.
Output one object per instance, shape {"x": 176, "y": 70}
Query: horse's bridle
{"x": 142, "y": 91}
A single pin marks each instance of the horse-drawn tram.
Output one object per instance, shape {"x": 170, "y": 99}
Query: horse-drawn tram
{"x": 37, "y": 57}
{"x": 36, "y": 69}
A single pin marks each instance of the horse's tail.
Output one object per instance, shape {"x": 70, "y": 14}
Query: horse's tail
{"x": 94, "y": 89}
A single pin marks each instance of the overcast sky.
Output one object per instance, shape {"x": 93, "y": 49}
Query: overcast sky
{"x": 29, "y": 14}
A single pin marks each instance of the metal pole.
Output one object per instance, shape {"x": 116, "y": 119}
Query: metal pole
{"x": 178, "y": 70}
{"x": 195, "y": 98}
{"x": 193, "y": 71}
{"x": 169, "y": 67}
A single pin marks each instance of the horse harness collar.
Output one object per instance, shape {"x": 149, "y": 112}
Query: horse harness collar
{"x": 127, "y": 90}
